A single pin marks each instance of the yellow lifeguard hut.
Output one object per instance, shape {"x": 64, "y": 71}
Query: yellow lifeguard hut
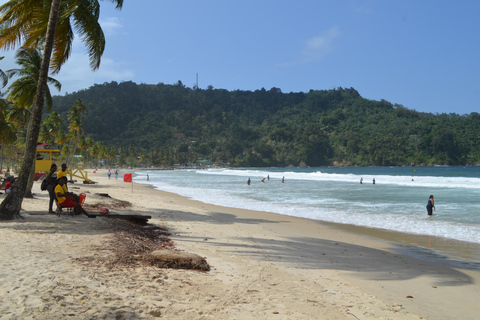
{"x": 45, "y": 158}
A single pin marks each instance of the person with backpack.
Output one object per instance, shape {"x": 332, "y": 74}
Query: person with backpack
{"x": 52, "y": 183}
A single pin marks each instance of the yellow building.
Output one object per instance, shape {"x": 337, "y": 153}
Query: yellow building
{"x": 45, "y": 157}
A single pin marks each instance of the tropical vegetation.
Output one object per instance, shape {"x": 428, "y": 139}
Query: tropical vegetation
{"x": 49, "y": 25}
{"x": 173, "y": 124}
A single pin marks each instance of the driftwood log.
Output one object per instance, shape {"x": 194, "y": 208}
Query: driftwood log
{"x": 178, "y": 260}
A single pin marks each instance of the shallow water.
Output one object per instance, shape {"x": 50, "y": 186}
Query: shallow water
{"x": 395, "y": 202}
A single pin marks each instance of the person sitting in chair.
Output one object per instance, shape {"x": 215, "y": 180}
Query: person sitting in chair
{"x": 8, "y": 185}
{"x": 74, "y": 196}
{"x": 65, "y": 199}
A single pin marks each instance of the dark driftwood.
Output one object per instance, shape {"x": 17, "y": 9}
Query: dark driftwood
{"x": 177, "y": 260}
{"x": 131, "y": 217}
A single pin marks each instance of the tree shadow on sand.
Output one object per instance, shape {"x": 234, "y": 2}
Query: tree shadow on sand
{"x": 212, "y": 217}
{"x": 316, "y": 253}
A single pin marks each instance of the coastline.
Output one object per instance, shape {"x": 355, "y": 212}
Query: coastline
{"x": 422, "y": 246}
{"x": 264, "y": 265}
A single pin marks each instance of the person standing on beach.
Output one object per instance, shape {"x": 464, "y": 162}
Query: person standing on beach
{"x": 430, "y": 205}
{"x": 62, "y": 173}
{"x": 248, "y": 181}
{"x": 148, "y": 178}
{"x": 52, "y": 182}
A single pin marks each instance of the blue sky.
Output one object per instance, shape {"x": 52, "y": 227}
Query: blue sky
{"x": 423, "y": 55}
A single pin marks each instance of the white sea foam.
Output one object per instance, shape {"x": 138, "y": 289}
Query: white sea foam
{"x": 394, "y": 203}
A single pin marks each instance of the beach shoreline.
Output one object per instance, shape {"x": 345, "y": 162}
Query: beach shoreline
{"x": 465, "y": 251}
{"x": 264, "y": 266}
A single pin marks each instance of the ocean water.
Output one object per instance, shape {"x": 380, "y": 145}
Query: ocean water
{"x": 395, "y": 202}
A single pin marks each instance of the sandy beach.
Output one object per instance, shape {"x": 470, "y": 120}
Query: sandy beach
{"x": 263, "y": 266}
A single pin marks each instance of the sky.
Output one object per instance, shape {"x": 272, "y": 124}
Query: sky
{"x": 422, "y": 54}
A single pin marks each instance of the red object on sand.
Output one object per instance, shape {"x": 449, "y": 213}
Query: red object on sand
{"x": 104, "y": 211}
{"x": 81, "y": 198}
{"x": 127, "y": 177}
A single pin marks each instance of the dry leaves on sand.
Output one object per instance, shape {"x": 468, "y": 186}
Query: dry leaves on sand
{"x": 132, "y": 245}
{"x": 99, "y": 201}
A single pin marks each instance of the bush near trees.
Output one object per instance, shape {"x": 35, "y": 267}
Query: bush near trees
{"x": 166, "y": 124}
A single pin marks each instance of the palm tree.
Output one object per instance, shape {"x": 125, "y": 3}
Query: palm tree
{"x": 50, "y": 128}
{"x": 22, "y": 91}
{"x": 7, "y": 129}
{"x": 89, "y": 142}
{"x": 61, "y": 138}
{"x": 32, "y": 24}
{"x": 3, "y": 76}
{"x": 4, "y": 128}
{"x": 75, "y": 117}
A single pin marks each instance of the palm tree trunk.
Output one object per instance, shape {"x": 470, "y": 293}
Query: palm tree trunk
{"x": 28, "y": 190}
{"x": 31, "y": 180}
{"x": 1, "y": 161}
{"x": 10, "y": 207}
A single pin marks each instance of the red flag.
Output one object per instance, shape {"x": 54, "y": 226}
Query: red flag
{"x": 127, "y": 177}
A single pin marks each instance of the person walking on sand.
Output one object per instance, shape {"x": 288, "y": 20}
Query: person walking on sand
{"x": 430, "y": 205}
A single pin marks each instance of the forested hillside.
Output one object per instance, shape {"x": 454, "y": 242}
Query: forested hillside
{"x": 166, "y": 124}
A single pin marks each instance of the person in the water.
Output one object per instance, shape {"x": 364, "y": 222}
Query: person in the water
{"x": 430, "y": 205}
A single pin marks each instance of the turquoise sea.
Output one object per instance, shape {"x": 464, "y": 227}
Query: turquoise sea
{"x": 395, "y": 202}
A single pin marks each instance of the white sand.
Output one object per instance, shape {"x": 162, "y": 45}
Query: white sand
{"x": 264, "y": 266}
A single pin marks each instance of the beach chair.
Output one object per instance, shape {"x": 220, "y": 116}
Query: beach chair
{"x": 59, "y": 210}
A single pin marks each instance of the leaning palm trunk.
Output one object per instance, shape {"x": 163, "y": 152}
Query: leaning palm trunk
{"x": 1, "y": 161}
{"x": 31, "y": 180}
{"x": 31, "y": 177}
{"x": 10, "y": 207}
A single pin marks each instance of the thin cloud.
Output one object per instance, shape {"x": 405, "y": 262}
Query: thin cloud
{"x": 317, "y": 48}
{"x": 110, "y": 26}
{"x": 76, "y": 74}
{"x": 364, "y": 7}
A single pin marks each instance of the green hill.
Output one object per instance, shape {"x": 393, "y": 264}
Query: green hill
{"x": 176, "y": 124}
